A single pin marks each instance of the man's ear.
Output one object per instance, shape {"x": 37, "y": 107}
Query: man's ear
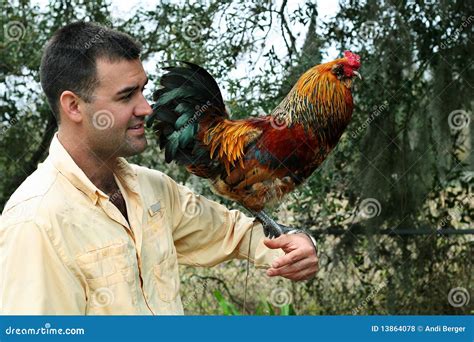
{"x": 69, "y": 105}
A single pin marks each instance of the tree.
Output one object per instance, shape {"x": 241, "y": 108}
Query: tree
{"x": 405, "y": 161}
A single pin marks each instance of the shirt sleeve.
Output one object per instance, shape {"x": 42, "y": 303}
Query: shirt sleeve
{"x": 34, "y": 279}
{"x": 206, "y": 233}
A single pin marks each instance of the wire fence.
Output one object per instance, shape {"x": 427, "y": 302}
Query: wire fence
{"x": 392, "y": 232}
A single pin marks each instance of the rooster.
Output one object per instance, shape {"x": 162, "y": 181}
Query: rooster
{"x": 254, "y": 161}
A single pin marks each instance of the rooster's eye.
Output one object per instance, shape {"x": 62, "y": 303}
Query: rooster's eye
{"x": 338, "y": 70}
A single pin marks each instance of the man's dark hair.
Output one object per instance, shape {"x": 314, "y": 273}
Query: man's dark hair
{"x": 70, "y": 57}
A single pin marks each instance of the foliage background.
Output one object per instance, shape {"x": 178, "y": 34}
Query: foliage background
{"x": 404, "y": 166}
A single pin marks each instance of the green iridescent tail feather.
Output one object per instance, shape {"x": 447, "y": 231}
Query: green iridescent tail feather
{"x": 187, "y": 95}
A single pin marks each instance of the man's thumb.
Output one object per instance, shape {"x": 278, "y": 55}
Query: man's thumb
{"x": 279, "y": 242}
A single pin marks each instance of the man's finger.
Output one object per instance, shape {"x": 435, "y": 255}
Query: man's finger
{"x": 288, "y": 259}
{"x": 290, "y": 268}
{"x": 280, "y": 242}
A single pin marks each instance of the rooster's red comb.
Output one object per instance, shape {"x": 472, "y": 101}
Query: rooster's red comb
{"x": 353, "y": 59}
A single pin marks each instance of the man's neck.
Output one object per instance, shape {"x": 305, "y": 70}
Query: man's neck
{"x": 99, "y": 171}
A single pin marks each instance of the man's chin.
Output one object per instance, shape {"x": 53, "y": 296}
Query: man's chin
{"x": 134, "y": 146}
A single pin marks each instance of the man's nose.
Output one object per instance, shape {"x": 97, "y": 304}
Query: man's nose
{"x": 144, "y": 108}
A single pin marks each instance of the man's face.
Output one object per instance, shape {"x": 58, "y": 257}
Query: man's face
{"x": 114, "y": 119}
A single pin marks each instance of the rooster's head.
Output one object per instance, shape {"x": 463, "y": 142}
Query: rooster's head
{"x": 346, "y": 68}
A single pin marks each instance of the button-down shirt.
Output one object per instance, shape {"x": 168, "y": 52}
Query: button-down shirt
{"x": 66, "y": 249}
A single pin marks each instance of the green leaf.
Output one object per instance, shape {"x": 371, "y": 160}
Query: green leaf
{"x": 228, "y": 308}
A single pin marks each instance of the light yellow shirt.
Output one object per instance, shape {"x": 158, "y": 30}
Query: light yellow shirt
{"x": 66, "y": 249}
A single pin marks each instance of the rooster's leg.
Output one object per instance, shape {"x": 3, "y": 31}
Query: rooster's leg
{"x": 270, "y": 227}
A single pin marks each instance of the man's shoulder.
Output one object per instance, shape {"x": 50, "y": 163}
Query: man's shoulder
{"x": 155, "y": 177}
{"x": 156, "y": 186}
{"x": 24, "y": 204}
{"x": 146, "y": 171}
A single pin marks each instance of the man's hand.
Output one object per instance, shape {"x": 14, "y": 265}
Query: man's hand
{"x": 300, "y": 261}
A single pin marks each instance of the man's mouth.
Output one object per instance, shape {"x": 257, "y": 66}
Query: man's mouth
{"x": 138, "y": 128}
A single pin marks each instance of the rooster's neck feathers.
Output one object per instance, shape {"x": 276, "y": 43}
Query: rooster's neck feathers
{"x": 318, "y": 101}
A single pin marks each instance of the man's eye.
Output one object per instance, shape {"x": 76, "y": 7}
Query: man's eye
{"x": 127, "y": 97}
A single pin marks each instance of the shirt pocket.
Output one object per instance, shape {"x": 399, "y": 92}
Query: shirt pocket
{"x": 167, "y": 278}
{"x": 110, "y": 273}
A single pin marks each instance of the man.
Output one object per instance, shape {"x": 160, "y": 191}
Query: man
{"x": 88, "y": 233}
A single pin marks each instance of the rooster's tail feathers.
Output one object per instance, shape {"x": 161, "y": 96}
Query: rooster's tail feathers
{"x": 188, "y": 94}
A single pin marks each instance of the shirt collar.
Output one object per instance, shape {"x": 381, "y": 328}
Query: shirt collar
{"x": 64, "y": 163}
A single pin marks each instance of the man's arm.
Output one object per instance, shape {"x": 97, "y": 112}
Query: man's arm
{"x": 34, "y": 279}
{"x": 207, "y": 233}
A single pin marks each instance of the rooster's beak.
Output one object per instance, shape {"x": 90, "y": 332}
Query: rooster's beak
{"x": 357, "y": 74}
